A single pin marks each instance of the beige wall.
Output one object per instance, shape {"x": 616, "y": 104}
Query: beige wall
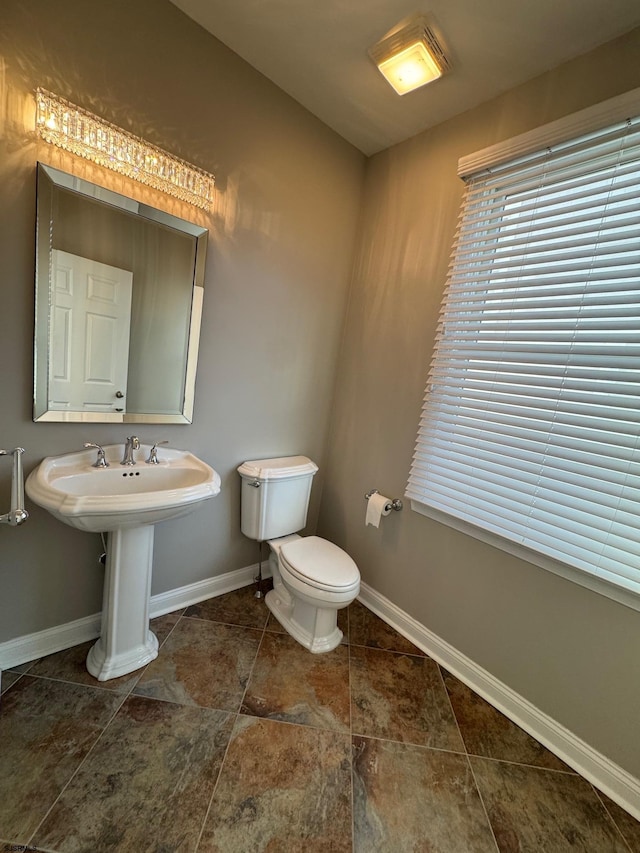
{"x": 278, "y": 268}
{"x": 571, "y": 652}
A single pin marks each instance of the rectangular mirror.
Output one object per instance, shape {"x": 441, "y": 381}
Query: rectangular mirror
{"x": 119, "y": 289}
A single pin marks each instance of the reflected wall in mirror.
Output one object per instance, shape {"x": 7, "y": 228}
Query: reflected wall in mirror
{"x": 119, "y": 288}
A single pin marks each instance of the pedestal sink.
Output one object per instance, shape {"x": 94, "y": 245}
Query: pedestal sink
{"x": 124, "y": 502}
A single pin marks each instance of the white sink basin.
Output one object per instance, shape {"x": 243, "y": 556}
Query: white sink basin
{"x": 125, "y": 502}
{"x": 119, "y": 497}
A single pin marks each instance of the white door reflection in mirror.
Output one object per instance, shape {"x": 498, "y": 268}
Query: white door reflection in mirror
{"x": 89, "y": 322}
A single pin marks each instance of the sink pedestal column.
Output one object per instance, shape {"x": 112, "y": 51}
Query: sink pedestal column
{"x": 125, "y": 643}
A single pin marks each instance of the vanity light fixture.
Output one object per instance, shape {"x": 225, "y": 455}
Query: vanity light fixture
{"x": 410, "y": 56}
{"x": 68, "y": 126}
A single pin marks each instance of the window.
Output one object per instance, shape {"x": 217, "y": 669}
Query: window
{"x": 530, "y": 431}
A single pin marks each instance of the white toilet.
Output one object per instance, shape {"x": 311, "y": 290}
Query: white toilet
{"x": 312, "y": 578}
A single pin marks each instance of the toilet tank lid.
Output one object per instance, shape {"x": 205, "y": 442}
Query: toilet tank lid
{"x": 273, "y": 469}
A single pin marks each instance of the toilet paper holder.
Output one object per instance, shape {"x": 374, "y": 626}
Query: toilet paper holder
{"x": 396, "y": 503}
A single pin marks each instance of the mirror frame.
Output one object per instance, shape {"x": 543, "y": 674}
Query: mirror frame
{"x": 48, "y": 178}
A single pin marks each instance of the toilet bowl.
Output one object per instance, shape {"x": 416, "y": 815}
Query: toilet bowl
{"x": 312, "y": 577}
{"x": 312, "y": 580}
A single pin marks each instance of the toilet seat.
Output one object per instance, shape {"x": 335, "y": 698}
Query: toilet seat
{"x": 320, "y": 564}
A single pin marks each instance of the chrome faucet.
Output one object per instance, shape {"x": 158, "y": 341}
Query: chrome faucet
{"x": 132, "y": 443}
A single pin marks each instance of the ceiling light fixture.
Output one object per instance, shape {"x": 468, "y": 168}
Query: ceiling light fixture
{"x": 67, "y": 126}
{"x": 410, "y": 56}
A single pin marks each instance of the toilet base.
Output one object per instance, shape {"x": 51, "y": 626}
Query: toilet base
{"x": 315, "y": 628}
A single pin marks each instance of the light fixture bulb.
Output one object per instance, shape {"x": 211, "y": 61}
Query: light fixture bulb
{"x": 411, "y": 68}
{"x": 410, "y": 56}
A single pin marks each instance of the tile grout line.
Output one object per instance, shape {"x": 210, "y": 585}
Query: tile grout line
{"x": 428, "y": 748}
{"x": 179, "y": 619}
{"x": 229, "y": 624}
{"x": 125, "y": 696}
{"x": 523, "y": 764}
{"x": 19, "y": 674}
{"x": 253, "y": 665}
{"x": 612, "y": 819}
{"x": 482, "y": 802}
{"x": 75, "y": 772}
{"x": 237, "y": 715}
{"x": 392, "y": 651}
{"x": 468, "y": 759}
{"x": 60, "y": 680}
{"x": 13, "y": 683}
{"x": 510, "y": 762}
{"x": 217, "y": 782}
{"x": 453, "y": 713}
{"x": 351, "y": 751}
{"x": 425, "y": 656}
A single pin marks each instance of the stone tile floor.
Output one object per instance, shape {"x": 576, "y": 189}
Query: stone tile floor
{"x": 237, "y": 740}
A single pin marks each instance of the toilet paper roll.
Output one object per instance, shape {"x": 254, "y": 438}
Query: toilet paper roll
{"x": 377, "y": 507}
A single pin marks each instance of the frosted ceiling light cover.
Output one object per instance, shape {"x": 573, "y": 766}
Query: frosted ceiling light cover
{"x": 410, "y": 57}
{"x": 80, "y": 132}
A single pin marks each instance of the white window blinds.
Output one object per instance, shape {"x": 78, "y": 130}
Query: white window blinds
{"x": 531, "y": 422}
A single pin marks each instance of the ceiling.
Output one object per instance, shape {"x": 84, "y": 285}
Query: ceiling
{"x": 316, "y": 50}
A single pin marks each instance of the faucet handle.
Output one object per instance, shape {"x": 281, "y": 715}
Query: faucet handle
{"x": 100, "y": 462}
{"x": 153, "y": 453}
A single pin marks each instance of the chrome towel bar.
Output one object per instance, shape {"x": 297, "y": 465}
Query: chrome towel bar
{"x": 17, "y": 514}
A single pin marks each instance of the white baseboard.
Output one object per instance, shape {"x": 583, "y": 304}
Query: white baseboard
{"x": 184, "y": 596}
{"x": 31, "y": 646}
{"x": 607, "y": 776}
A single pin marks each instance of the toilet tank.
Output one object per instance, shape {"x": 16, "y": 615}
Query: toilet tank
{"x": 275, "y": 496}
